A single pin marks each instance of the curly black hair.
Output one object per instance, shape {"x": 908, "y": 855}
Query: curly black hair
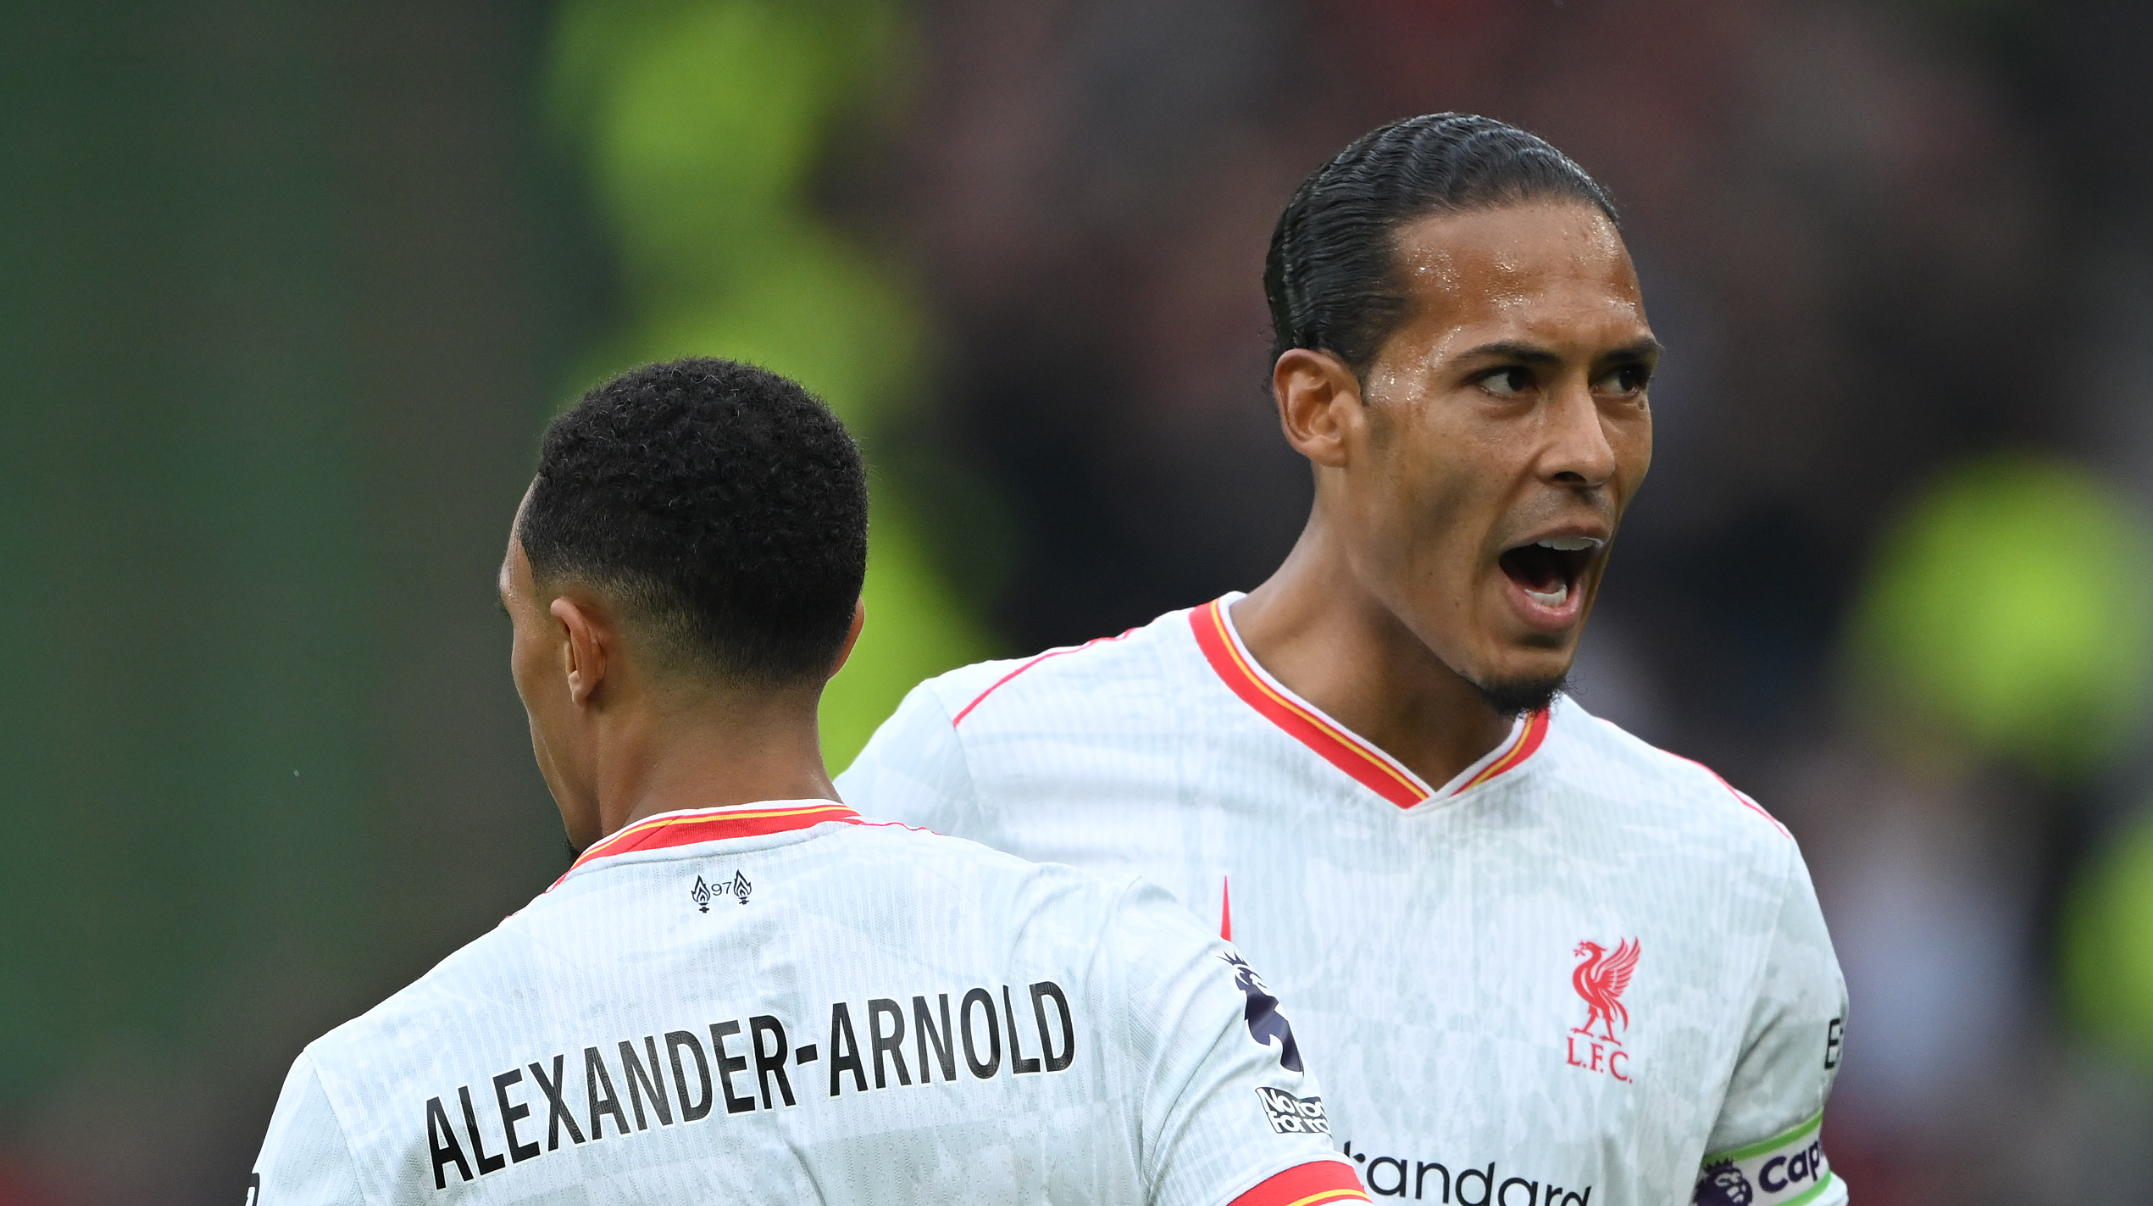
{"x": 720, "y": 505}
{"x": 1332, "y": 275}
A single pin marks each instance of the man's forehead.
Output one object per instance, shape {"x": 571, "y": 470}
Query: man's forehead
{"x": 1554, "y": 274}
{"x": 1535, "y": 231}
{"x": 1514, "y": 249}
{"x": 1558, "y": 321}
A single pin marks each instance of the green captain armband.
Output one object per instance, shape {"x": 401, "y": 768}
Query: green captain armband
{"x": 1786, "y": 1170}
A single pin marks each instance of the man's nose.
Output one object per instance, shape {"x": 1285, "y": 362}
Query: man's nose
{"x": 1578, "y": 452}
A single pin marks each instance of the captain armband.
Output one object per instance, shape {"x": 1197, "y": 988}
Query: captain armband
{"x": 1785, "y": 1170}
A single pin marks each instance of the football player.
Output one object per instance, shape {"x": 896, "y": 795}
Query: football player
{"x": 743, "y": 991}
{"x": 1540, "y": 962}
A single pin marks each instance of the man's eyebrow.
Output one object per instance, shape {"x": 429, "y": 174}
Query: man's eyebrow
{"x": 1510, "y": 349}
{"x": 1528, "y": 353}
{"x": 1644, "y": 349}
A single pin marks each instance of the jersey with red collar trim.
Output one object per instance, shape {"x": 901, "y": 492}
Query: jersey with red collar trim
{"x": 785, "y": 1003}
{"x": 1584, "y": 971}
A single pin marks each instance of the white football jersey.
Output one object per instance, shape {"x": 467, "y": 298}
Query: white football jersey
{"x": 1585, "y": 972}
{"x": 782, "y": 1003}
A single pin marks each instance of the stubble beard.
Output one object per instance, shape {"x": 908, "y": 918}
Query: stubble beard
{"x": 1516, "y": 697}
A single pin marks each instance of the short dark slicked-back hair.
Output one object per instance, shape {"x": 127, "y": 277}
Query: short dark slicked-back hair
{"x": 721, "y": 506}
{"x": 1332, "y": 275}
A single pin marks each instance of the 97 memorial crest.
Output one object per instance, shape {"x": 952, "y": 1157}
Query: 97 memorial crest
{"x": 737, "y": 887}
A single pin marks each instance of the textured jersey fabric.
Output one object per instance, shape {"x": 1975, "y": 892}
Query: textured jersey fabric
{"x": 1585, "y": 972}
{"x": 784, "y": 1004}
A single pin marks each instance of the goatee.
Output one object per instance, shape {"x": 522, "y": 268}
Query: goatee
{"x": 1519, "y": 696}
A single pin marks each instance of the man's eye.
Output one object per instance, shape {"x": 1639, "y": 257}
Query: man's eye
{"x": 1625, "y": 379}
{"x": 1507, "y": 381}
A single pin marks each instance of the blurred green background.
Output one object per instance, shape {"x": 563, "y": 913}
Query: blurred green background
{"x": 284, "y": 296}
{"x": 701, "y": 126}
{"x": 287, "y": 294}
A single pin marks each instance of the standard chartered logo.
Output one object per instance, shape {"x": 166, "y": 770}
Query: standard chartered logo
{"x": 1463, "y": 1185}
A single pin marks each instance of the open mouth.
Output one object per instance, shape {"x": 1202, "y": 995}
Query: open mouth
{"x": 1549, "y": 570}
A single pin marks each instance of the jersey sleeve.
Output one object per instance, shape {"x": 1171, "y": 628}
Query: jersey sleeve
{"x": 1228, "y": 1113}
{"x": 305, "y": 1159}
{"x": 1767, "y": 1137}
{"x": 913, "y": 770}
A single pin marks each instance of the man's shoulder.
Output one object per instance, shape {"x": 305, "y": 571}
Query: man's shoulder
{"x": 395, "y": 1048}
{"x": 1099, "y": 678}
{"x": 972, "y": 750}
{"x": 883, "y": 844}
{"x": 1008, "y": 888}
{"x": 567, "y": 940}
{"x": 1658, "y": 787}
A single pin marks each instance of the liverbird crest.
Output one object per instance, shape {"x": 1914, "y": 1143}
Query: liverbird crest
{"x": 1600, "y": 979}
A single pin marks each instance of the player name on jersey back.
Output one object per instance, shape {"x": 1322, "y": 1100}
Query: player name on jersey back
{"x": 744, "y": 1068}
{"x": 855, "y": 1012}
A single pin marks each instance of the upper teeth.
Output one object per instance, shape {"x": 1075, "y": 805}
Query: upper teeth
{"x": 1568, "y": 544}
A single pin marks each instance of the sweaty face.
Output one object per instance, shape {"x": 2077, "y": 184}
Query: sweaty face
{"x": 1506, "y": 431}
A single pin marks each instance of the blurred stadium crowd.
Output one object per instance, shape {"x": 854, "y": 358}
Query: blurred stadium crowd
{"x": 289, "y": 289}
{"x": 1898, "y": 255}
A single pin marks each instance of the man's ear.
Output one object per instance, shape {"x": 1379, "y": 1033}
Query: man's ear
{"x": 859, "y": 618}
{"x": 1319, "y": 403}
{"x": 583, "y": 648}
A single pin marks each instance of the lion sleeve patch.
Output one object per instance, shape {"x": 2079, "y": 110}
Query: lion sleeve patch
{"x": 1266, "y": 1024}
{"x": 1785, "y": 1170}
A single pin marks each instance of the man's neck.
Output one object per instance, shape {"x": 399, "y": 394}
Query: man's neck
{"x": 711, "y": 755}
{"x": 1314, "y": 628}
